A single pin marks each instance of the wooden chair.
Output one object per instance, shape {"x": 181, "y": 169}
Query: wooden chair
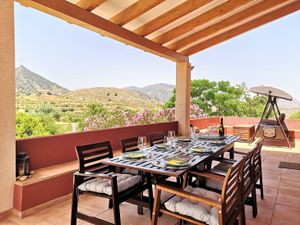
{"x": 225, "y": 209}
{"x": 257, "y": 166}
{"x": 93, "y": 177}
{"x": 250, "y": 176}
{"x": 248, "y": 192}
{"x": 156, "y": 138}
{"x": 129, "y": 144}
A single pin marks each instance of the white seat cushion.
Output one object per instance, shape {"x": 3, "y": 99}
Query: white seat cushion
{"x": 198, "y": 211}
{"x": 103, "y": 185}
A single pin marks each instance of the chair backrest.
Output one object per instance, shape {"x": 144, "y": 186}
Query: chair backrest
{"x": 256, "y": 160}
{"x": 231, "y": 193}
{"x": 156, "y": 138}
{"x": 129, "y": 144}
{"x": 91, "y": 155}
{"x": 247, "y": 174}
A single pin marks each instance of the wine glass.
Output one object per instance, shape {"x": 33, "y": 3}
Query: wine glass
{"x": 142, "y": 142}
{"x": 171, "y": 138}
{"x": 213, "y": 129}
{"x": 192, "y": 133}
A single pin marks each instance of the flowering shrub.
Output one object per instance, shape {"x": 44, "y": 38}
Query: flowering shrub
{"x": 117, "y": 118}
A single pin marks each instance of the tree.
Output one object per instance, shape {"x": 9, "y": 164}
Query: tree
{"x": 28, "y": 125}
{"x": 223, "y": 99}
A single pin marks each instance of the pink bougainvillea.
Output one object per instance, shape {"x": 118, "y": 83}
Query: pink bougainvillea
{"x": 118, "y": 119}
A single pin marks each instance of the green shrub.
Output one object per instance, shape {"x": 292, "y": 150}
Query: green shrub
{"x": 28, "y": 125}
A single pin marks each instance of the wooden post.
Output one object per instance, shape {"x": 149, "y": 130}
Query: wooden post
{"x": 182, "y": 103}
{"x": 7, "y": 105}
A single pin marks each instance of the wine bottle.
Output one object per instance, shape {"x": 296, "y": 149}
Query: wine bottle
{"x": 221, "y": 128}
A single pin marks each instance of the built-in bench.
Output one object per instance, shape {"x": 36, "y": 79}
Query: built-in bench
{"x": 45, "y": 185}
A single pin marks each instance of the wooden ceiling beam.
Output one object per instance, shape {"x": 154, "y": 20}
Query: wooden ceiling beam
{"x": 133, "y": 11}
{"x": 276, "y": 14}
{"x": 89, "y": 4}
{"x": 234, "y": 19}
{"x": 81, "y": 17}
{"x": 215, "y": 12}
{"x": 170, "y": 16}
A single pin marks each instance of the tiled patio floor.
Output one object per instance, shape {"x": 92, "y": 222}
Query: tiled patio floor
{"x": 281, "y": 205}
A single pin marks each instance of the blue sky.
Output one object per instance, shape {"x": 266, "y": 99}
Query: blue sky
{"x": 77, "y": 58}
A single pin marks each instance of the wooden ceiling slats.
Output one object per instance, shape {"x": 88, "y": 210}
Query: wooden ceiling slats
{"x": 133, "y": 11}
{"x": 234, "y": 19}
{"x": 89, "y": 4}
{"x": 276, "y": 14}
{"x": 218, "y": 11}
{"x": 170, "y": 16}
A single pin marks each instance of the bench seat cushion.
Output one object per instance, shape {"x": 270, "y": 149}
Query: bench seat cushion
{"x": 103, "y": 185}
{"x": 194, "y": 209}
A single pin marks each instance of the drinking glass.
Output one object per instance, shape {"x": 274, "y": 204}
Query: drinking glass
{"x": 213, "y": 129}
{"x": 171, "y": 135}
{"x": 192, "y": 133}
{"x": 171, "y": 138}
{"x": 142, "y": 142}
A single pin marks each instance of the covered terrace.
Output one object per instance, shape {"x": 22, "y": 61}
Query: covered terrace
{"x": 170, "y": 29}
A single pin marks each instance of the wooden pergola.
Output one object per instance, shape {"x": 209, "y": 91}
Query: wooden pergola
{"x": 173, "y": 29}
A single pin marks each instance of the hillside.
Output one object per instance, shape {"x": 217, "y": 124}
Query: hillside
{"x": 160, "y": 92}
{"x": 29, "y": 83}
{"x": 77, "y": 101}
{"x": 288, "y": 107}
{"x": 113, "y": 97}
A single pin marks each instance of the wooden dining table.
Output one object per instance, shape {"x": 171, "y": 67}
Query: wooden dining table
{"x": 154, "y": 157}
{"x": 152, "y": 165}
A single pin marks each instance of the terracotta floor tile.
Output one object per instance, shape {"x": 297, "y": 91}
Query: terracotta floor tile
{"x": 268, "y": 191}
{"x": 271, "y": 180}
{"x": 264, "y": 215}
{"x": 267, "y": 202}
{"x": 290, "y": 182}
{"x": 288, "y": 196}
{"x": 288, "y": 214}
{"x": 254, "y": 222}
{"x": 277, "y": 221}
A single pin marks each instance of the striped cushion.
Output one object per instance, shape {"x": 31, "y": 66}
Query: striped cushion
{"x": 103, "y": 185}
{"x": 194, "y": 209}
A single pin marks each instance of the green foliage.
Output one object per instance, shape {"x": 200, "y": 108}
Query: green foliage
{"x": 28, "y": 125}
{"x": 45, "y": 108}
{"x": 95, "y": 109}
{"x": 295, "y": 115}
{"x": 223, "y": 99}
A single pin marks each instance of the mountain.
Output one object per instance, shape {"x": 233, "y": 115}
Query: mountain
{"x": 160, "y": 91}
{"x": 29, "y": 83}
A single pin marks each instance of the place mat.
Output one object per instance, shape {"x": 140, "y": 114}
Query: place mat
{"x": 289, "y": 165}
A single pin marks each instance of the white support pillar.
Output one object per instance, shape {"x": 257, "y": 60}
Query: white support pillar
{"x": 7, "y": 105}
{"x": 182, "y": 103}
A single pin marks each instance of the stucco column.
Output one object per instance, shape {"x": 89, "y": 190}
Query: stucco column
{"x": 182, "y": 103}
{"x": 7, "y": 104}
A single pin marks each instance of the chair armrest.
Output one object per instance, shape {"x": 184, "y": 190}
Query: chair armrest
{"x": 210, "y": 175}
{"x": 95, "y": 175}
{"x": 190, "y": 196}
{"x": 231, "y": 161}
{"x": 240, "y": 153}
